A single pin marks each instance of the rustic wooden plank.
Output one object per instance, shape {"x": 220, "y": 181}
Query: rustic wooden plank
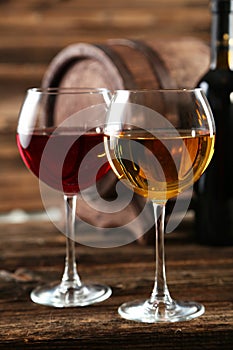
{"x": 140, "y": 24}
{"x": 117, "y": 17}
{"x": 15, "y": 80}
{"x": 18, "y": 187}
{"x": 43, "y": 6}
{"x": 110, "y": 13}
{"x": 21, "y": 71}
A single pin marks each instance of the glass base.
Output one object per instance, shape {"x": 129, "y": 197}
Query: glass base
{"x": 66, "y": 295}
{"x": 145, "y": 311}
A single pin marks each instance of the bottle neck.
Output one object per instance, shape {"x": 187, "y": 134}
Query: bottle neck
{"x": 222, "y": 40}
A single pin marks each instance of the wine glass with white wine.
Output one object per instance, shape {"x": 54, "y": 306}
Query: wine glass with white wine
{"x": 159, "y": 142}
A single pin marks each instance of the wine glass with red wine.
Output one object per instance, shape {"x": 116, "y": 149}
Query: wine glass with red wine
{"x": 57, "y": 128}
{"x": 159, "y": 142}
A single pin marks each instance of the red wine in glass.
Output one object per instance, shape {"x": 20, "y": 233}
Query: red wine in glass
{"x": 65, "y": 151}
{"x": 60, "y": 140}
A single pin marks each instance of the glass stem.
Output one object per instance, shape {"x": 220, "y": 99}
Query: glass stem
{"x": 160, "y": 297}
{"x": 70, "y": 276}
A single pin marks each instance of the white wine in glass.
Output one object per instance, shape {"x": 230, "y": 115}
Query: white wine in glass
{"x": 159, "y": 142}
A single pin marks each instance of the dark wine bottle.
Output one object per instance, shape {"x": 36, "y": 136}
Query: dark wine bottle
{"x": 214, "y": 190}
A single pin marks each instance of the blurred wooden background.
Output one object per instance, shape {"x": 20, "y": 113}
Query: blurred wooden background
{"x": 32, "y": 32}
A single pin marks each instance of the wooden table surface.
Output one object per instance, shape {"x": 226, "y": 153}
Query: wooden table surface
{"x": 33, "y": 252}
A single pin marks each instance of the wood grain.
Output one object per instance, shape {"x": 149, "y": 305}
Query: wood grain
{"x": 33, "y": 253}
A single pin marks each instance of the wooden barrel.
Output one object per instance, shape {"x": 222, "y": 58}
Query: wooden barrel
{"x": 130, "y": 64}
{"x": 127, "y": 64}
